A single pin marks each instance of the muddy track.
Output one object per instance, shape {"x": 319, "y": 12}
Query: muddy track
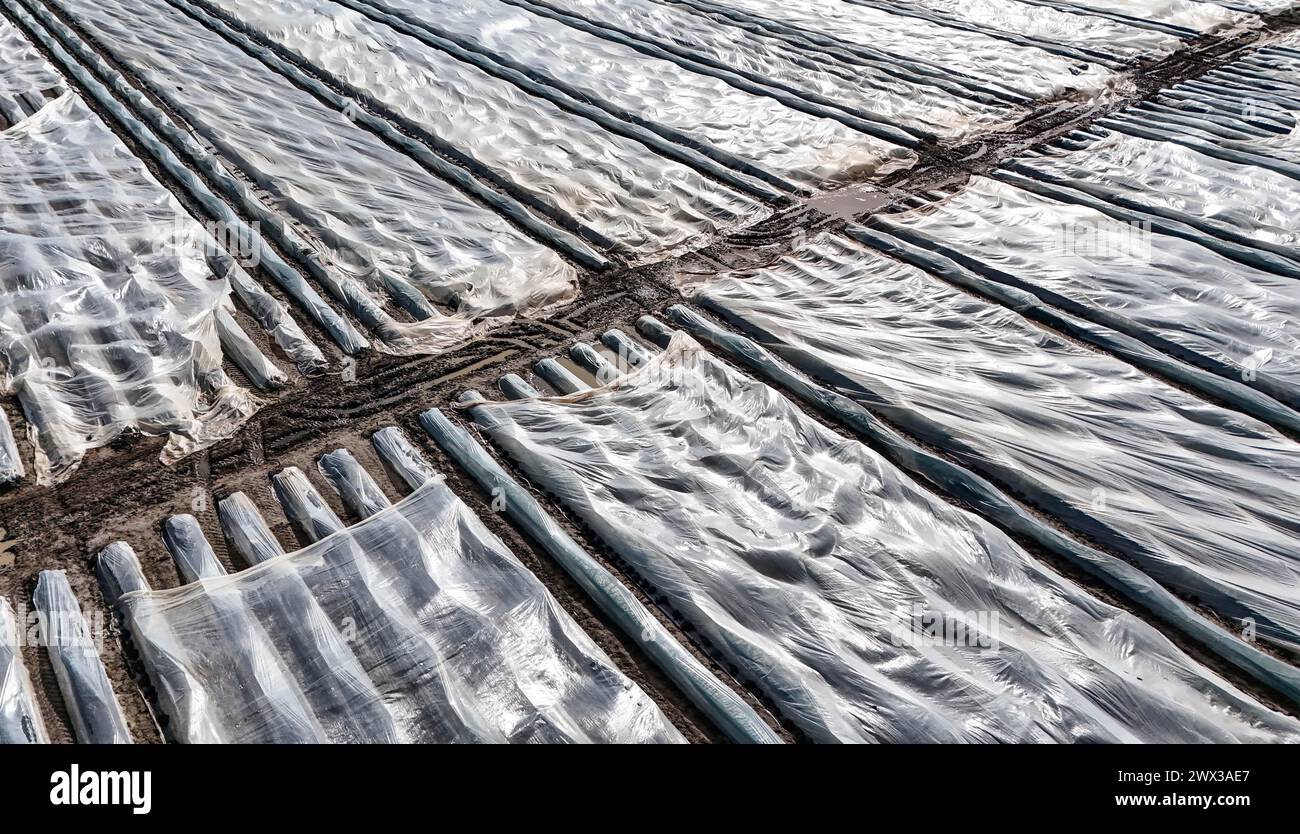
{"x": 124, "y": 493}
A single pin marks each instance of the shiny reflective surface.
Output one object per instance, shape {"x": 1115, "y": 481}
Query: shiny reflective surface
{"x": 820, "y": 570}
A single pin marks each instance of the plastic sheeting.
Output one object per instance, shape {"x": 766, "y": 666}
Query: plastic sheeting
{"x": 1246, "y": 112}
{"x": 614, "y": 185}
{"x": 11, "y": 463}
{"x": 808, "y": 561}
{"x": 1194, "y": 15}
{"x": 415, "y": 625}
{"x": 1028, "y": 71}
{"x": 1200, "y": 496}
{"x": 92, "y": 707}
{"x": 1254, "y": 202}
{"x": 1261, "y": 6}
{"x": 25, "y": 77}
{"x": 381, "y": 218}
{"x": 755, "y": 128}
{"x": 20, "y": 717}
{"x": 874, "y": 89}
{"x": 735, "y": 718}
{"x": 1246, "y": 318}
{"x": 108, "y": 315}
{"x": 1047, "y": 25}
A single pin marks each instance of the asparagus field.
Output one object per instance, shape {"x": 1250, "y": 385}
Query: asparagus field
{"x": 649, "y": 371}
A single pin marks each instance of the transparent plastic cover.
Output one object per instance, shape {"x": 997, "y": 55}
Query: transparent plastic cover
{"x": 415, "y": 625}
{"x": 866, "y": 608}
{"x": 382, "y": 220}
{"x": 108, "y": 302}
{"x": 20, "y": 717}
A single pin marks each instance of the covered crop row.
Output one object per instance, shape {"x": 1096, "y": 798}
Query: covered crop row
{"x": 20, "y": 717}
{"x": 109, "y": 314}
{"x": 1087, "y": 38}
{"x": 116, "y": 311}
{"x": 95, "y": 714}
{"x": 1185, "y": 17}
{"x": 387, "y": 226}
{"x": 1172, "y": 222}
{"x": 55, "y": 623}
{"x": 994, "y": 67}
{"x": 1110, "y": 451}
{"x": 416, "y": 624}
{"x": 630, "y": 197}
{"x": 659, "y": 93}
{"x": 1235, "y": 320}
{"x": 863, "y": 606}
{"x": 1244, "y": 112}
{"x": 26, "y": 79}
{"x": 878, "y": 92}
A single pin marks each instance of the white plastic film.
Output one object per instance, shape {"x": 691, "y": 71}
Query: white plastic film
{"x": 761, "y": 130}
{"x": 415, "y": 625}
{"x": 26, "y": 79}
{"x": 614, "y": 185}
{"x": 1262, "y": 6}
{"x": 1027, "y": 70}
{"x": 11, "y": 462}
{"x": 1200, "y": 17}
{"x": 381, "y": 219}
{"x": 1246, "y": 318}
{"x": 1200, "y": 493}
{"x": 20, "y": 717}
{"x": 93, "y": 709}
{"x": 863, "y": 606}
{"x": 1256, "y": 202}
{"x": 109, "y": 303}
{"x": 1050, "y": 25}
{"x": 873, "y": 89}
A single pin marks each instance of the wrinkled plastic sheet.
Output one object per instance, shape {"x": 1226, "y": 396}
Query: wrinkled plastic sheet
{"x": 1276, "y": 63}
{"x": 20, "y": 717}
{"x": 108, "y": 314}
{"x": 1047, "y": 25}
{"x": 614, "y": 185}
{"x": 415, "y": 625}
{"x": 1290, "y": 40}
{"x": 376, "y": 214}
{"x": 1195, "y": 15}
{"x": 1261, "y": 6}
{"x": 1028, "y": 71}
{"x": 869, "y": 88}
{"x": 26, "y": 79}
{"x": 1202, "y": 496}
{"x": 758, "y": 129}
{"x": 93, "y": 709}
{"x": 11, "y": 462}
{"x": 808, "y": 561}
{"x": 1247, "y": 318}
{"x": 1252, "y": 201}
{"x": 1249, "y": 108}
